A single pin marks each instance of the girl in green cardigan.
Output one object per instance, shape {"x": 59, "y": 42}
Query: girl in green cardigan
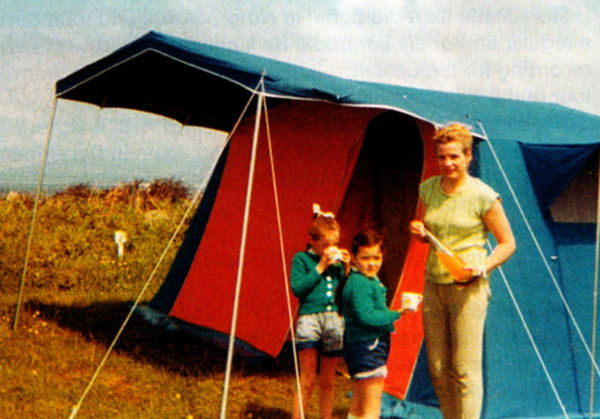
{"x": 315, "y": 275}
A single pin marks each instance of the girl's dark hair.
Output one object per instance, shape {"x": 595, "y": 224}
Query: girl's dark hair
{"x": 365, "y": 238}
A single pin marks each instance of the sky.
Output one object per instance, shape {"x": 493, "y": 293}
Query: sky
{"x": 544, "y": 50}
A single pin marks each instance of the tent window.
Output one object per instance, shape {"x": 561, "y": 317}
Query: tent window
{"x": 578, "y": 201}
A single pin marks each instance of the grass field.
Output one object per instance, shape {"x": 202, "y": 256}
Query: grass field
{"x": 77, "y": 294}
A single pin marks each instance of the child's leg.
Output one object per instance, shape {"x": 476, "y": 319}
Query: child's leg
{"x": 327, "y": 373}
{"x": 369, "y": 392}
{"x": 308, "y": 373}
{"x": 357, "y": 401}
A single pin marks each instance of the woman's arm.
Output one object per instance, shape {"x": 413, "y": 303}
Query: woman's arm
{"x": 497, "y": 223}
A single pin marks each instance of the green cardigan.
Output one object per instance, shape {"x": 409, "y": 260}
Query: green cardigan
{"x": 315, "y": 291}
{"x": 366, "y": 314}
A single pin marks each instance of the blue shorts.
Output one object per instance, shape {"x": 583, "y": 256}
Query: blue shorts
{"x": 367, "y": 359}
{"x": 321, "y": 331}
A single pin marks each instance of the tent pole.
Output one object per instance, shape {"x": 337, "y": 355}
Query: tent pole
{"x": 238, "y": 284}
{"x": 595, "y": 309}
{"x": 286, "y": 282}
{"x": 75, "y": 409}
{"x": 34, "y": 213}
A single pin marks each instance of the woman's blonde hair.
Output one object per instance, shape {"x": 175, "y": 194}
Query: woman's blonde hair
{"x": 454, "y": 132}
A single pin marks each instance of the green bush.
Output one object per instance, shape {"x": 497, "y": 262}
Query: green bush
{"x": 73, "y": 246}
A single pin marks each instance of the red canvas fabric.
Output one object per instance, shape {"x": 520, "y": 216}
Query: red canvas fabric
{"x": 408, "y": 338}
{"x": 315, "y": 146}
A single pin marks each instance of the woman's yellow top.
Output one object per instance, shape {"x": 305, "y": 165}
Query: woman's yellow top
{"x": 457, "y": 221}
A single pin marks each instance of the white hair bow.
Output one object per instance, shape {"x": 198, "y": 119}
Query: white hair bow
{"x": 318, "y": 213}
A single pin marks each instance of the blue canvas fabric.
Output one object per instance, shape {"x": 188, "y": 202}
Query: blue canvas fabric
{"x": 186, "y": 75}
{"x": 552, "y": 167}
{"x": 535, "y": 362}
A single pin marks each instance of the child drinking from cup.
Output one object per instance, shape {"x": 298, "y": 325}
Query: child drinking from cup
{"x": 315, "y": 274}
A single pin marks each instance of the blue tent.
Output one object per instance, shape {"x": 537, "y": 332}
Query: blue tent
{"x": 538, "y": 346}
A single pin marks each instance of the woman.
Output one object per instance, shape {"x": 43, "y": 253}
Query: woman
{"x": 460, "y": 210}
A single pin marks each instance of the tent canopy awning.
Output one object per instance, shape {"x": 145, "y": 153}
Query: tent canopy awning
{"x": 203, "y": 85}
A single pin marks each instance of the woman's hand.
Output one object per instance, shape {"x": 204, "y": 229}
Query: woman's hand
{"x": 473, "y": 273}
{"x": 417, "y": 229}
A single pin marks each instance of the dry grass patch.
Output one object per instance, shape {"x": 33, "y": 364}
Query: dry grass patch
{"x": 77, "y": 294}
